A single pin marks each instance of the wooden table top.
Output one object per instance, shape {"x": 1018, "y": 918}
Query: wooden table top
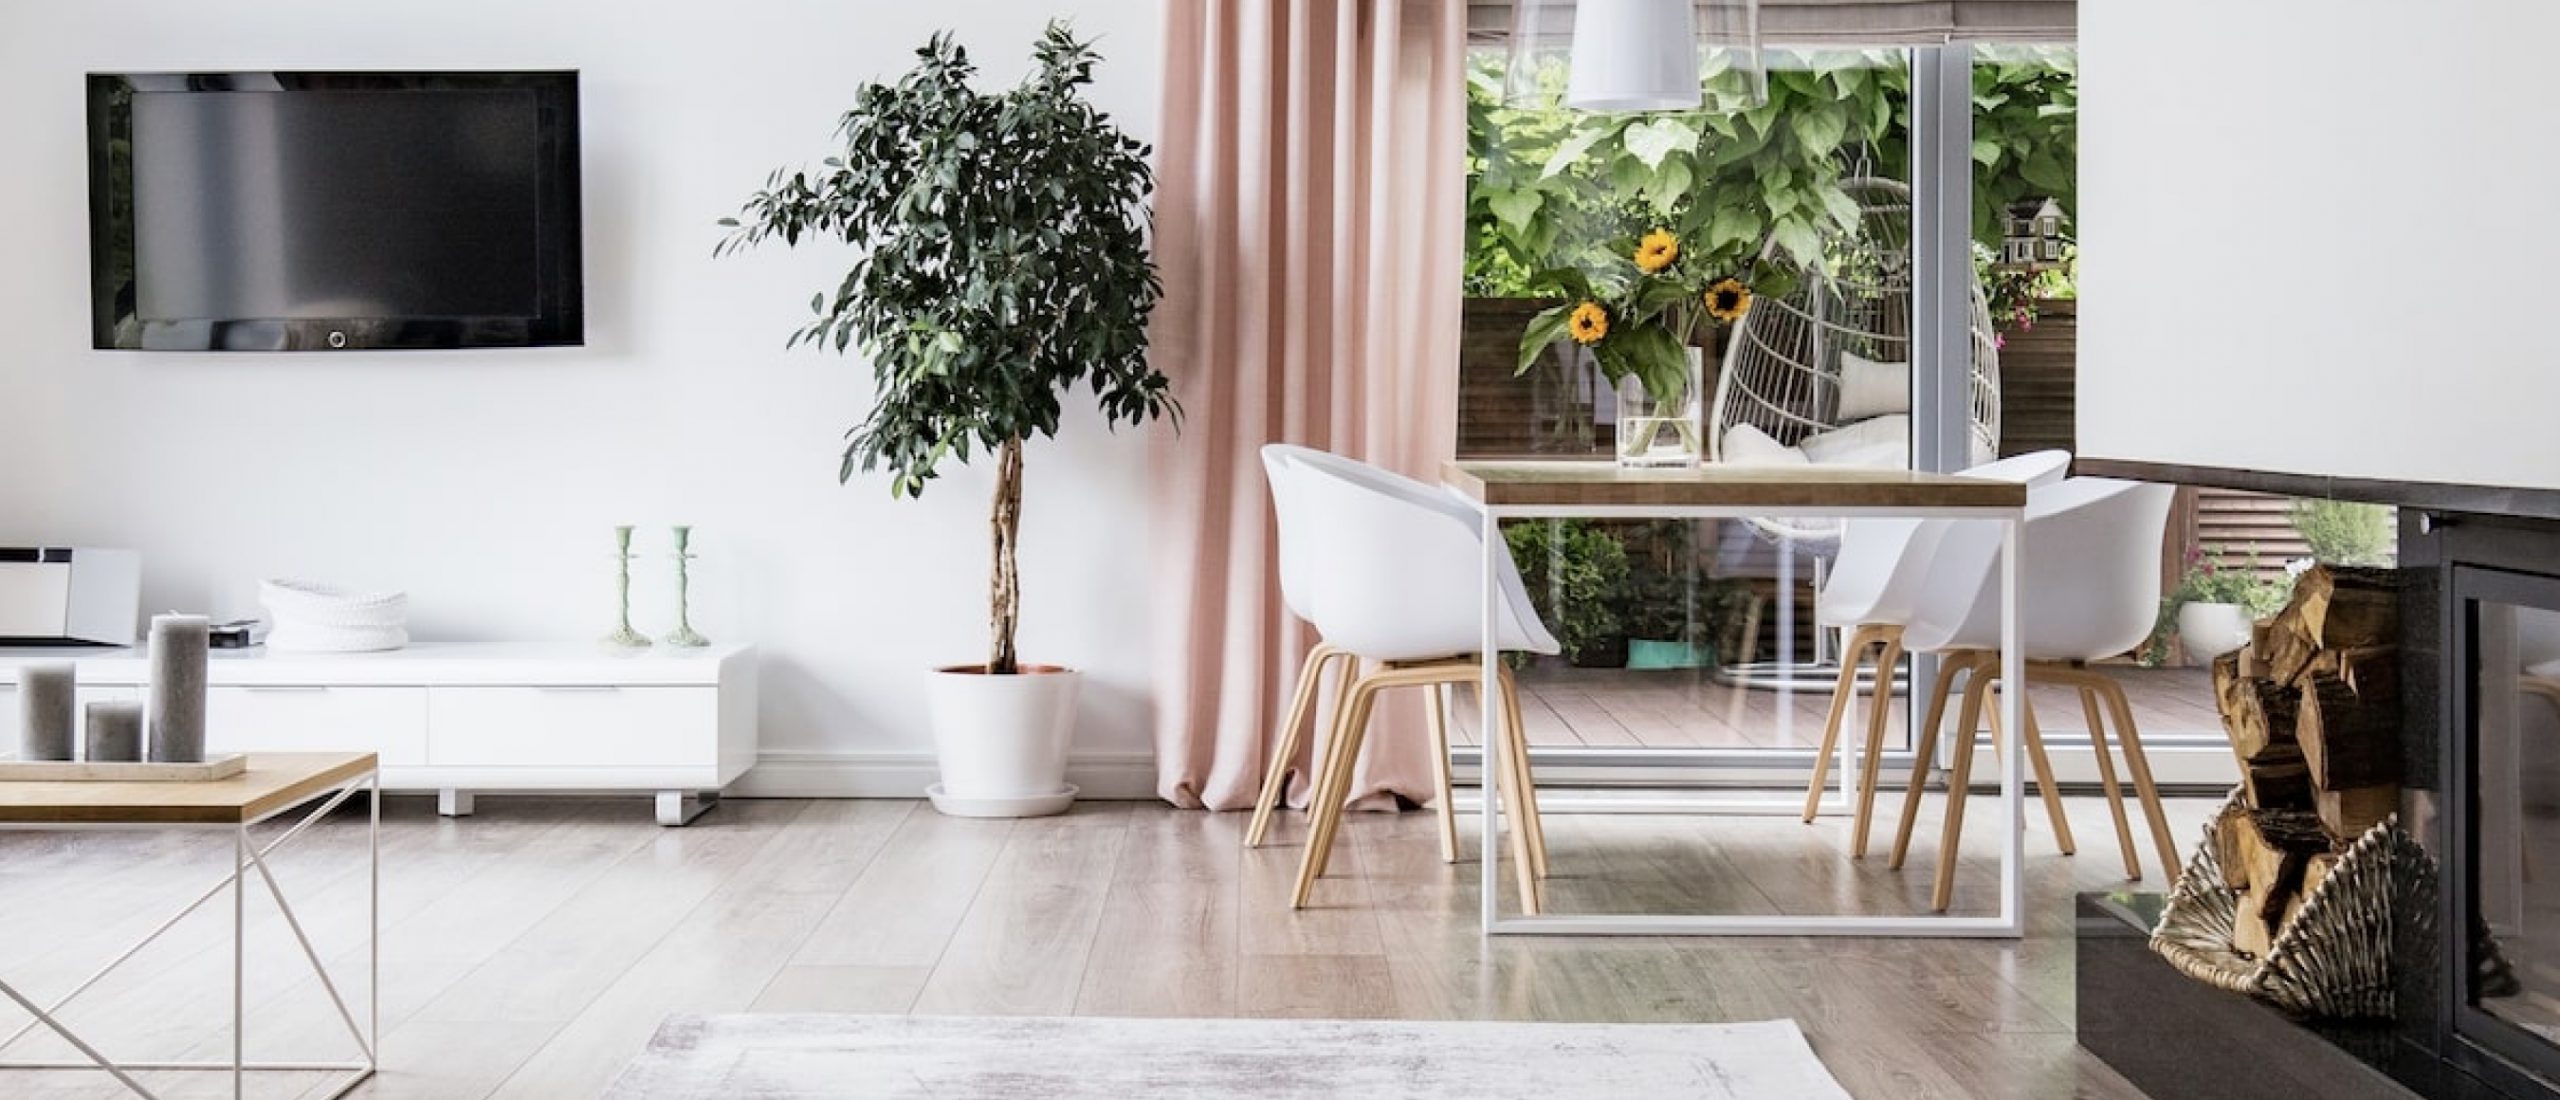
{"x": 1586, "y": 483}
{"x": 273, "y": 781}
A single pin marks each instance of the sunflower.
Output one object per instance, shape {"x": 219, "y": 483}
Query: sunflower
{"x": 1656, "y": 251}
{"x": 1589, "y": 323}
{"x": 1728, "y": 300}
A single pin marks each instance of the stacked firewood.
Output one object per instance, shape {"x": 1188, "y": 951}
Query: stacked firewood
{"x": 2312, "y": 705}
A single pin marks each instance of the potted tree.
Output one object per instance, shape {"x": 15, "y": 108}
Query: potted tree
{"x": 1003, "y": 266}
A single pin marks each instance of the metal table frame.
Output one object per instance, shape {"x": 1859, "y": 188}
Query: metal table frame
{"x": 247, "y": 857}
{"x": 2011, "y": 921}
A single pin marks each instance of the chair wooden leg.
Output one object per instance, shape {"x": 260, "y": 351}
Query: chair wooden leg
{"x": 1528, "y": 840}
{"x": 1441, "y": 783}
{"x": 2043, "y": 765}
{"x": 1275, "y": 780}
{"x": 1951, "y": 834}
{"x": 2140, "y": 766}
{"x": 1328, "y": 814}
{"x": 1949, "y": 667}
{"x": 2091, "y": 710}
{"x": 1325, "y": 794}
{"x": 1871, "y": 759}
{"x": 1517, "y": 772}
{"x": 1851, "y": 652}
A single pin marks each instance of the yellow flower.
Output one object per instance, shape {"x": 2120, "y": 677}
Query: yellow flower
{"x": 1728, "y": 300}
{"x": 1589, "y": 323}
{"x": 1656, "y": 251}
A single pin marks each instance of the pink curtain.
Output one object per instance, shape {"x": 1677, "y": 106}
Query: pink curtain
{"x": 1308, "y": 226}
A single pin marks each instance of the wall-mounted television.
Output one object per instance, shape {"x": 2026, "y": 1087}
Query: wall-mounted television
{"x": 317, "y": 211}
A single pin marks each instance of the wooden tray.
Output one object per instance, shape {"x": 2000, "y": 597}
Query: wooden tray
{"x": 100, "y": 771}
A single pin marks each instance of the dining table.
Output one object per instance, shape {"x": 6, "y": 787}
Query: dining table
{"x": 1500, "y": 490}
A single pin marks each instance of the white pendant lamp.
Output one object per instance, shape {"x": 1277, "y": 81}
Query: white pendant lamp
{"x": 1635, "y": 55}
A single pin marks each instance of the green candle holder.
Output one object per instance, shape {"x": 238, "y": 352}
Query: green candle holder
{"x": 684, "y": 636}
{"x": 623, "y": 635}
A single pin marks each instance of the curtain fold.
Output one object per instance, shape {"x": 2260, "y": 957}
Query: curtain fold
{"x": 1309, "y": 212}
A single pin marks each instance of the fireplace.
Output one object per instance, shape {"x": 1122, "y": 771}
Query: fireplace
{"x": 2476, "y": 1008}
{"x": 2494, "y": 593}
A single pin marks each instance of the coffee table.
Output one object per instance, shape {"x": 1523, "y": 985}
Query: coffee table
{"x": 273, "y": 785}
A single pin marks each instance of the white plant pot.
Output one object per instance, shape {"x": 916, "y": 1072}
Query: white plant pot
{"x": 2209, "y": 630}
{"x": 1002, "y": 740}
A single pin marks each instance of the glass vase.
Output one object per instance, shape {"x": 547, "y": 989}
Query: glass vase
{"x": 1657, "y": 431}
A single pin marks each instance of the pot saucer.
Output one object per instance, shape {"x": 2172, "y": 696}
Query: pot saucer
{"x": 1034, "y": 805}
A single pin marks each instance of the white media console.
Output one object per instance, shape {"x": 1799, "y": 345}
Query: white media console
{"x": 460, "y": 718}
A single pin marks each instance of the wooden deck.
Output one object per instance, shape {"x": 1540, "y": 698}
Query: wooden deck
{"x": 1688, "y": 709}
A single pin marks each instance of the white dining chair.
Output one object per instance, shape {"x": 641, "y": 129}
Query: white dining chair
{"x": 1297, "y": 584}
{"x": 2089, "y": 589}
{"x": 1396, "y": 578}
{"x": 1870, "y": 592}
{"x": 1296, "y": 590}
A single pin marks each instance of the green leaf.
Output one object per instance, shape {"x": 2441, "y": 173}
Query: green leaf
{"x": 1659, "y": 137}
{"x": 1571, "y": 152}
{"x": 1669, "y": 186}
{"x": 1821, "y": 128}
{"x": 1844, "y": 210}
{"x": 1799, "y": 240}
{"x": 1547, "y": 327}
{"x": 1986, "y": 152}
{"x": 1515, "y": 208}
{"x": 1735, "y": 224}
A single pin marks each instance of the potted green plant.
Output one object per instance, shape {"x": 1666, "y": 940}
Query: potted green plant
{"x": 2214, "y": 605}
{"x": 1003, "y": 267}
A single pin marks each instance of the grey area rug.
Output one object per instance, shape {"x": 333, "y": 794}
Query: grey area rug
{"x": 1100, "y": 1058}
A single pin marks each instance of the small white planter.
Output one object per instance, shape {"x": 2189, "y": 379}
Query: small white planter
{"x": 1002, "y": 740}
{"x": 2209, "y": 630}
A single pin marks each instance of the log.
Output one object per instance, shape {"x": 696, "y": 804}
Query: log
{"x": 2350, "y": 813}
{"x": 2348, "y": 740}
{"x": 2252, "y": 930}
{"x": 2278, "y": 779}
{"x": 2341, "y": 606}
{"x": 2314, "y": 871}
{"x": 2256, "y": 847}
{"x": 2259, "y": 716}
{"x": 2288, "y": 650}
{"x": 2370, "y": 671}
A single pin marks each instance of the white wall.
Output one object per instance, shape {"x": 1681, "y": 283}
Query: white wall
{"x": 485, "y": 483}
{"x": 2321, "y": 238}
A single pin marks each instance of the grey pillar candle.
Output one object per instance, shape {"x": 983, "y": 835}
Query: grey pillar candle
{"x": 46, "y": 711}
{"x": 178, "y": 645}
{"x": 114, "y": 732}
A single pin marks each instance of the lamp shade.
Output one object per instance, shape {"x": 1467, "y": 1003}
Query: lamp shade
{"x": 1635, "y": 55}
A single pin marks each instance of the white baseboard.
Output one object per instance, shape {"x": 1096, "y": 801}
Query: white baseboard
{"x": 1096, "y": 775}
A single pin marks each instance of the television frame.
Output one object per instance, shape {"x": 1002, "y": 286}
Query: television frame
{"x": 559, "y": 318}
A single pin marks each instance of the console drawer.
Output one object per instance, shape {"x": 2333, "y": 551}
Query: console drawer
{"x": 600, "y": 726}
{"x": 390, "y": 722}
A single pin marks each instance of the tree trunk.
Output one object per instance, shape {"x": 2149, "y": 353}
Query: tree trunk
{"x": 1005, "y": 592}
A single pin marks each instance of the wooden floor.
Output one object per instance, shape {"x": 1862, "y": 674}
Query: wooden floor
{"x": 1687, "y": 709}
{"x": 530, "y": 951}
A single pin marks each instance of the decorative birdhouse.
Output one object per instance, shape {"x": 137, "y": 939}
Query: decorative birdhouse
{"x": 2031, "y": 234}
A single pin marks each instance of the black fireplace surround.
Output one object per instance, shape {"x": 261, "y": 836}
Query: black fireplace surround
{"x": 2476, "y": 765}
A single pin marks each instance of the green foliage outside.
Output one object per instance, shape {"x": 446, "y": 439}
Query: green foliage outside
{"x": 1576, "y": 574}
{"x": 2343, "y": 532}
{"x": 1553, "y": 188}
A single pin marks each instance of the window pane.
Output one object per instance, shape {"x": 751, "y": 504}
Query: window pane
{"x": 1690, "y": 635}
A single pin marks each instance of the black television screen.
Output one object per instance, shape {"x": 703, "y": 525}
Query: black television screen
{"x": 304, "y": 210}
